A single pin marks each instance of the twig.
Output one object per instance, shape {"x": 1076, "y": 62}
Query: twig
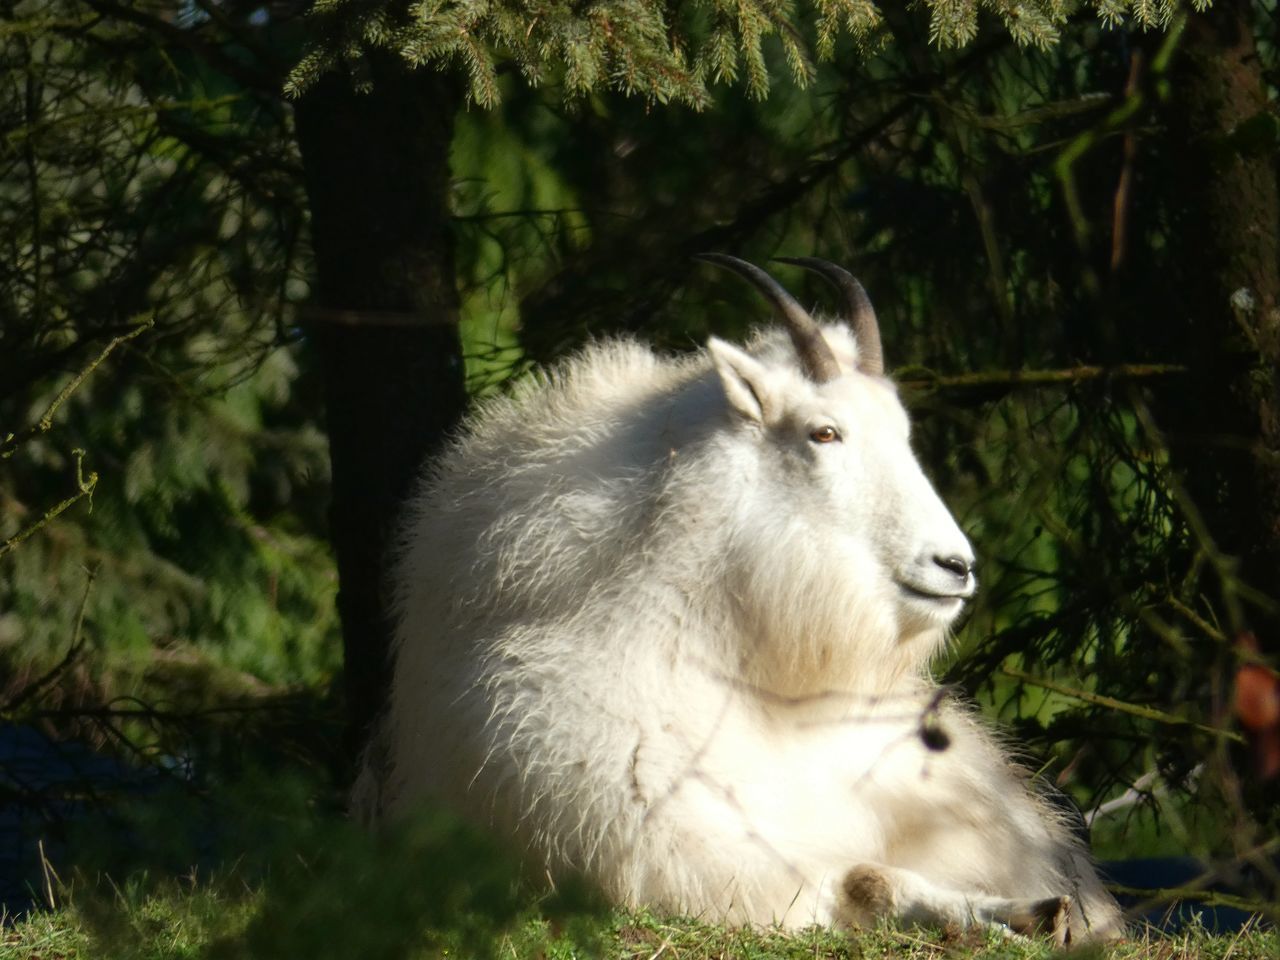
{"x": 1035, "y": 116}
{"x": 13, "y": 441}
{"x": 1212, "y": 898}
{"x": 1204, "y": 625}
{"x": 251, "y": 73}
{"x": 1145, "y": 786}
{"x": 1120, "y": 206}
{"x": 85, "y": 485}
{"x": 1115, "y": 121}
{"x": 1234, "y": 589}
{"x": 1209, "y": 898}
{"x": 30, "y": 131}
{"x": 77, "y": 644}
{"x": 50, "y": 875}
{"x": 915, "y": 380}
{"x": 1133, "y": 709}
{"x": 536, "y": 212}
{"x": 375, "y": 318}
{"x": 147, "y": 711}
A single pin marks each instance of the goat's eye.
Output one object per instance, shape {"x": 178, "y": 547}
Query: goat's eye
{"x": 825, "y": 434}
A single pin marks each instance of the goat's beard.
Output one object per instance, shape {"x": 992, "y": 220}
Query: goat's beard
{"x": 811, "y": 628}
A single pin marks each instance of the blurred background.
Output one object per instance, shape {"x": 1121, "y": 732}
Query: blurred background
{"x": 258, "y": 258}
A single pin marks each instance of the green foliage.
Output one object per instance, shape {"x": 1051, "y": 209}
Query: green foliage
{"x": 299, "y": 880}
{"x": 1101, "y": 634}
{"x": 172, "y": 537}
{"x": 973, "y": 190}
{"x": 219, "y": 917}
{"x": 662, "y": 52}
{"x": 143, "y": 189}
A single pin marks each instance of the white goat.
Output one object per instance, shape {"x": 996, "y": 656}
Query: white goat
{"x": 666, "y": 623}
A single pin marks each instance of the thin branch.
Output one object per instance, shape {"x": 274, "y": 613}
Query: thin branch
{"x": 77, "y": 644}
{"x": 535, "y": 212}
{"x": 1234, "y": 589}
{"x": 1032, "y": 117}
{"x": 1207, "y": 628}
{"x": 1194, "y": 889}
{"x": 1206, "y": 898}
{"x": 1122, "y": 201}
{"x": 11, "y": 442}
{"x": 32, "y": 98}
{"x": 147, "y": 711}
{"x": 1115, "y": 122}
{"x": 373, "y": 318}
{"x": 916, "y": 379}
{"x": 1133, "y": 709}
{"x": 85, "y": 485}
{"x": 29, "y": 132}
{"x": 257, "y": 75}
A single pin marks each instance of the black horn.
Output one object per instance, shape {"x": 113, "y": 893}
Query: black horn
{"x": 856, "y": 310}
{"x": 815, "y": 354}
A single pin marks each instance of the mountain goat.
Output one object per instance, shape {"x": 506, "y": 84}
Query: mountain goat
{"x": 666, "y": 623}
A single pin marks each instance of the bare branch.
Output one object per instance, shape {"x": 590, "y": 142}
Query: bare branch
{"x": 13, "y": 441}
{"x": 915, "y": 378}
{"x": 77, "y": 644}
{"x": 85, "y": 487}
{"x": 1133, "y": 709}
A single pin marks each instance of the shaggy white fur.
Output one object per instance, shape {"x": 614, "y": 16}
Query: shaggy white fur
{"x": 667, "y": 623}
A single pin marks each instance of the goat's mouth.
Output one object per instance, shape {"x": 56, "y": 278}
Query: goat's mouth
{"x": 945, "y": 599}
{"x": 928, "y": 609}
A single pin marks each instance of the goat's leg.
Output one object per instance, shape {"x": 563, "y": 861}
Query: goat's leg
{"x": 873, "y": 891}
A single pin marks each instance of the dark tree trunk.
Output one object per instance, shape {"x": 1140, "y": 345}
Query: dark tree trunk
{"x": 1224, "y": 425}
{"x": 377, "y": 178}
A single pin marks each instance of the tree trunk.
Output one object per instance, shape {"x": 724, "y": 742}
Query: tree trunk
{"x": 1225, "y": 424}
{"x": 377, "y": 178}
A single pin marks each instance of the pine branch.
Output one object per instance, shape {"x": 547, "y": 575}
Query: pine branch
{"x": 257, "y": 74}
{"x": 1133, "y": 709}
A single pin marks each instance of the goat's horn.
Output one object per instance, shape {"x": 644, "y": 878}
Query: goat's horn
{"x": 816, "y": 358}
{"x": 857, "y": 310}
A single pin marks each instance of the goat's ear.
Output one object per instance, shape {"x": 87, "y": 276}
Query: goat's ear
{"x": 746, "y": 381}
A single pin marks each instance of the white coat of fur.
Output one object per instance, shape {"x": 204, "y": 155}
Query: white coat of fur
{"x": 657, "y": 635}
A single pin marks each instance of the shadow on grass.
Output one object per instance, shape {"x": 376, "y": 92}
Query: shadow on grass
{"x": 297, "y": 881}
{"x": 227, "y": 838}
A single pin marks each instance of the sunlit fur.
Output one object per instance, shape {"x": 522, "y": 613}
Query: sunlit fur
{"x": 653, "y": 632}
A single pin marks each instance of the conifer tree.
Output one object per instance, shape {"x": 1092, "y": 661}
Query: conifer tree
{"x": 1012, "y": 206}
{"x": 355, "y": 86}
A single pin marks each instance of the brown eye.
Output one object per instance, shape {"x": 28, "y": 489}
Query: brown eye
{"x": 826, "y": 434}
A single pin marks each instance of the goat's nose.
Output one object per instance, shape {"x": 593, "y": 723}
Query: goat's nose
{"x": 956, "y": 564}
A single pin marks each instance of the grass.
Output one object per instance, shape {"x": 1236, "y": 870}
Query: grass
{"x": 280, "y": 874}
{"x": 308, "y": 884}
{"x": 285, "y": 876}
{"x": 214, "y": 922}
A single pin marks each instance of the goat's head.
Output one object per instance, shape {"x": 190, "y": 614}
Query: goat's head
{"x": 834, "y": 457}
